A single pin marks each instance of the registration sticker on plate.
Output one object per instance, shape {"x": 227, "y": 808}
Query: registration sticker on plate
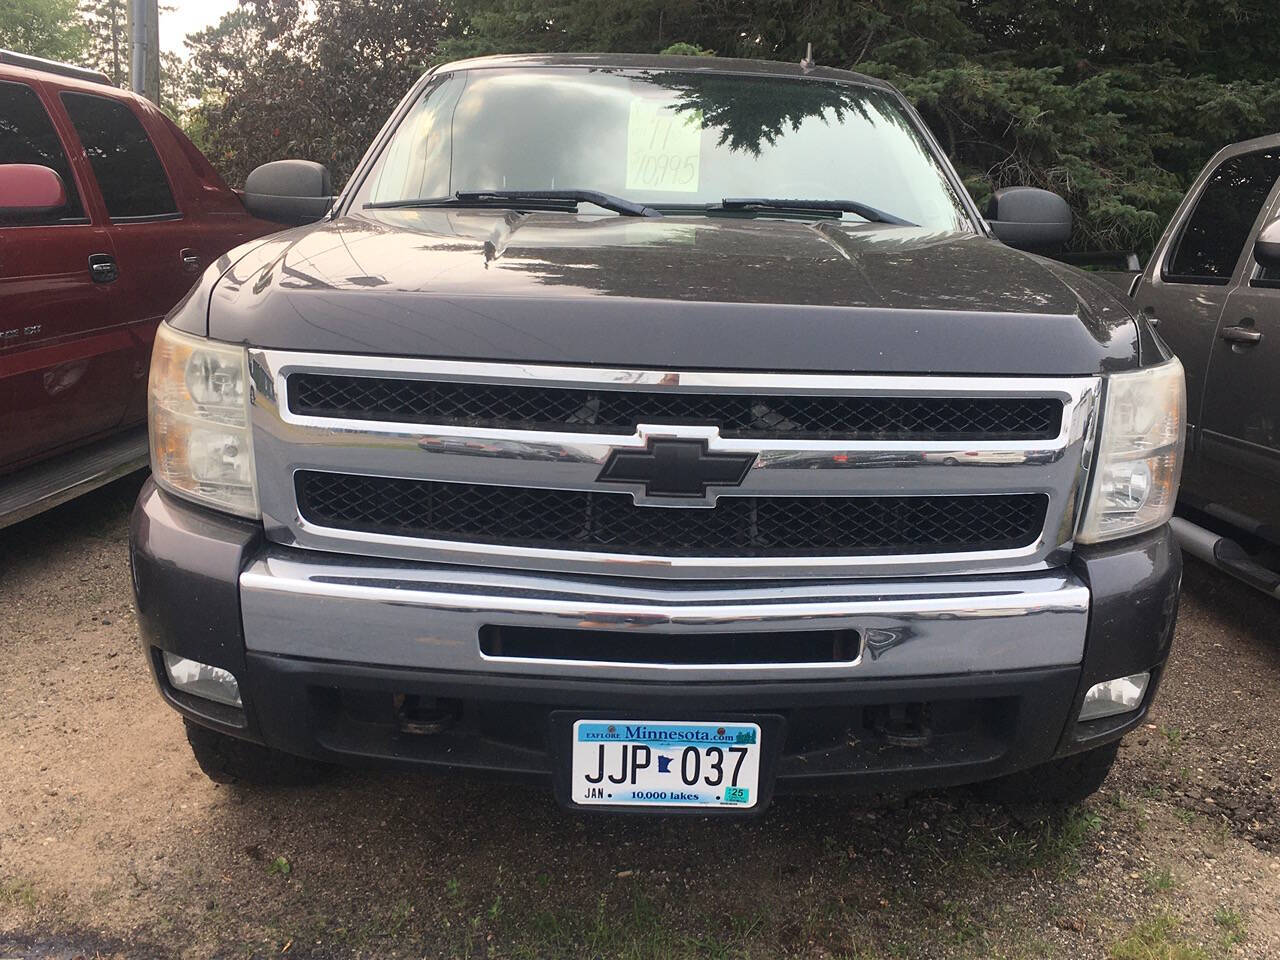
{"x": 666, "y": 764}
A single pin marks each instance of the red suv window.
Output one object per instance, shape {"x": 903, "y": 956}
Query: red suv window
{"x": 130, "y": 174}
{"x": 27, "y": 136}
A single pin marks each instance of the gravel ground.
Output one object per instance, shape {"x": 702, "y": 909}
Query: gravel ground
{"x": 112, "y": 844}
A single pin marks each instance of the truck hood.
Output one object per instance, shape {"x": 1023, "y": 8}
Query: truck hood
{"x": 690, "y": 292}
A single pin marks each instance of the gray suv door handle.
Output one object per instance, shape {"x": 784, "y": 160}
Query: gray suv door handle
{"x": 1241, "y": 335}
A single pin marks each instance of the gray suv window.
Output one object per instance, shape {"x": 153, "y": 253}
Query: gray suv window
{"x": 1215, "y": 233}
{"x": 27, "y": 136}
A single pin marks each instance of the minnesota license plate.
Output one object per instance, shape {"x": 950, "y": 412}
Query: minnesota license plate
{"x": 647, "y": 763}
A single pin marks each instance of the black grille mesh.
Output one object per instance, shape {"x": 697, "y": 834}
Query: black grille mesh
{"x": 737, "y": 415}
{"x": 736, "y": 526}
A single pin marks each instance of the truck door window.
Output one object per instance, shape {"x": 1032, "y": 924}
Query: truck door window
{"x": 1213, "y": 236}
{"x": 27, "y": 136}
{"x": 129, "y": 172}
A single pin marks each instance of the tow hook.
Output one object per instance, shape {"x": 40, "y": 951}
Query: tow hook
{"x": 903, "y": 724}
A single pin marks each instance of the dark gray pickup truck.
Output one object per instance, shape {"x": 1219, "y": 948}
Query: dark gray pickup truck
{"x": 1213, "y": 288}
{"x": 667, "y": 430}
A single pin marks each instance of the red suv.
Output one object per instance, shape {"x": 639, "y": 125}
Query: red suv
{"x": 108, "y": 214}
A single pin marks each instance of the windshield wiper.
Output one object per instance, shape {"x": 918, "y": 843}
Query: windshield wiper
{"x": 802, "y": 206}
{"x": 607, "y": 200}
{"x": 541, "y": 199}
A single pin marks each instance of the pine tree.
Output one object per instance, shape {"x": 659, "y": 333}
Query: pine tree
{"x": 1115, "y": 105}
{"x": 108, "y": 47}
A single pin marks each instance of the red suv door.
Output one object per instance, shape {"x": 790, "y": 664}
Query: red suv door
{"x": 65, "y": 361}
{"x": 157, "y": 244}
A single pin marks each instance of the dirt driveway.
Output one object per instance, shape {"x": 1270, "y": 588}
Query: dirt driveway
{"x": 113, "y": 845}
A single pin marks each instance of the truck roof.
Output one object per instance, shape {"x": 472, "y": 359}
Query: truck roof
{"x": 640, "y": 61}
{"x": 41, "y": 65}
{"x": 19, "y": 66}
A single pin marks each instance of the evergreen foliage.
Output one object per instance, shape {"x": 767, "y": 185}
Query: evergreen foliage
{"x": 1114, "y": 103}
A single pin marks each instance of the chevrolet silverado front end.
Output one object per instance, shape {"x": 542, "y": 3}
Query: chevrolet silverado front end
{"x": 654, "y": 488}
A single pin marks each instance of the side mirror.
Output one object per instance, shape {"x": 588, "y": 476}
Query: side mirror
{"x": 289, "y": 191}
{"x": 29, "y": 190}
{"x": 1029, "y": 218}
{"x": 1266, "y": 249}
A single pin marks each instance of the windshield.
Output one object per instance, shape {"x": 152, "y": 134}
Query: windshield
{"x": 669, "y": 139}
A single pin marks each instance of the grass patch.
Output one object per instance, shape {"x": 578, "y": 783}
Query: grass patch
{"x": 398, "y": 918}
{"x": 1159, "y": 881}
{"x": 962, "y": 926}
{"x": 1173, "y": 735}
{"x": 18, "y": 893}
{"x": 1156, "y": 939}
{"x": 1052, "y": 845}
{"x": 279, "y": 866}
{"x": 1123, "y": 803}
{"x": 1232, "y": 924}
{"x": 637, "y": 930}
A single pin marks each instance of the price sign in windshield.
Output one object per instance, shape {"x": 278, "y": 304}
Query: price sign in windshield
{"x": 664, "y": 147}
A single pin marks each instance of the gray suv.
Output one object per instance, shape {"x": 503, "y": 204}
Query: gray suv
{"x": 1213, "y": 288}
{"x": 668, "y": 431}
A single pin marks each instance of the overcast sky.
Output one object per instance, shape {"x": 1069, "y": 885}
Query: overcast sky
{"x": 188, "y": 16}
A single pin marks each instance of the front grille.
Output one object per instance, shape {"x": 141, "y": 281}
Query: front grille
{"x": 611, "y": 522}
{"x": 737, "y": 415}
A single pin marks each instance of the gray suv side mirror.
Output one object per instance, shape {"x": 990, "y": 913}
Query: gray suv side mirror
{"x": 1266, "y": 249}
{"x": 289, "y": 191}
{"x": 1029, "y": 218}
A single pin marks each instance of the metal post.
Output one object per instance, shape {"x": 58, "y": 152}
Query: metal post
{"x": 144, "y": 48}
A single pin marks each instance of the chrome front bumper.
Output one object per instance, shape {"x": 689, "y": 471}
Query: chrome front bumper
{"x": 318, "y": 640}
{"x": 326, "y": 607}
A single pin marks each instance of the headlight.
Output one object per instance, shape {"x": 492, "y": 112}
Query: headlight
{"x": 1139, "y": 460}
{"x": 201, "y": 445}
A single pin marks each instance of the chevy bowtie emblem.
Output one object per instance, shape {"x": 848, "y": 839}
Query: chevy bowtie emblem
{"x": 676, "y": 468}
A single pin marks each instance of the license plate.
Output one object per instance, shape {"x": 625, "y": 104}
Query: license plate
{"x": 652, "y": 763}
